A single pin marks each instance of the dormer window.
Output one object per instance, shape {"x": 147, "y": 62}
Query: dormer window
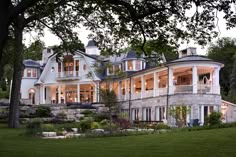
{"x": 31, "y": 73}
{"x": 138, "y": 65}
{"x": 28, "y": 72}
{"x": 130, "y": 65}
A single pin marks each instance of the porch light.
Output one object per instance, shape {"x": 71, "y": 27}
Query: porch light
{"x": 145, "y": 83}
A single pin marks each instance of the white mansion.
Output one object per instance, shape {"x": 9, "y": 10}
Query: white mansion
{"x": 191, "y": 80}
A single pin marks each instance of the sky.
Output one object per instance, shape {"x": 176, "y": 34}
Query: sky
{"x": 49, "y": 39}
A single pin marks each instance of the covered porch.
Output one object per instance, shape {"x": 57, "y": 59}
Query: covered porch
{"x": 69, "y": 93}
{"x": 183, "y": 79}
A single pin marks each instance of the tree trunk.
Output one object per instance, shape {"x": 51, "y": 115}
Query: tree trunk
{"x": 110, "y": 115}
{"x": 17, "y": 74}
{"x": 4, "y": 23}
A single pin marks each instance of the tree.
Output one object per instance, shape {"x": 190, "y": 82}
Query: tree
{"x": 156, "y": 50}
{"x": 224, "y": 51}
{"x": 34, "y": 51}
{"x": 114, "y": 21}
{"x": 109, "y": 99}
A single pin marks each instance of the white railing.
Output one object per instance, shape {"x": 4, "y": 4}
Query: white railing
{"x": 148, "y": 93}
{"x": 68, "y": 74}
{"x": 161, "y": 91}
{"x": 182, "y": 89}
{"x": 122, "y": 97}
{"x": 136, "y": 96}
{"x": 208, "y": 89}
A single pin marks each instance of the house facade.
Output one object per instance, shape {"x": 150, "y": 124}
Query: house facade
{"x": 148, "y": 92}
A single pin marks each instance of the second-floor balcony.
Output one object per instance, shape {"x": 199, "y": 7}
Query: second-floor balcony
{"x": 178, "y": 89}
{"x": 68, "y": 75}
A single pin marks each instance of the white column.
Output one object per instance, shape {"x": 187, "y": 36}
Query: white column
{"x": 170, "y": 81}
{"x": 194, "y": 78}
{"x": 126, "y": 66}
{"x": 143, "y": 87}
{"x": 95, "y": 93}
{"x": 126, "y": 90}
{"x": 134, "y": 65}
{"x": 155, "y": 84}
{"x": 78, "y": 92}
{"x": 43, "y": 94}
{"x": 59, "y": 94}
{"x": 202, "y": 114}
{"x": 215, "y": 80}
{"x": 132, "y": 87}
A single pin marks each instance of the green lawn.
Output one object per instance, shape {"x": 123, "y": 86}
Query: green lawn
{"x": 219, "y": 142}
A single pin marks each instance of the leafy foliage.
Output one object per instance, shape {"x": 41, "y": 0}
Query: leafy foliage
{"x": 180, "y": 114}
{"x": 224, "y": 51}
{"x": 214, "y": 118}
{"x": 43, "y": 111}
{"x": 34, "y": 51}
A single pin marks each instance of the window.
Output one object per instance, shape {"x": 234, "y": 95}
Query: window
{"x": 34, "y": 72}
{"x": 138, "y": 65}
{"x": 48, "y": 50}
{"x": 147, "y": 114}
{"x": 28, "y": 72}
{"x": 130, "y": 65}
{"x": 76, "y": 65}
{"x": 160, "y": 113}
{"x": 135, "y": 113}
{"x": 110, "y": 70}
{"x": 117, "y": 68}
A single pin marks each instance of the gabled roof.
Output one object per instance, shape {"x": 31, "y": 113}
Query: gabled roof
{"x": 31, "y": 63}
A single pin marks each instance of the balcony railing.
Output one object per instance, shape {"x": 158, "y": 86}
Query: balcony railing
{"x": 208, "y": 89}
{"x": 68, "y": 75}
{"x": 182, "y": 89}
{"x": 201, "y": 89}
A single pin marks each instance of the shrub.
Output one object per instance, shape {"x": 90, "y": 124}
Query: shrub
{"x": 104, "y": 122}
{"x": 86, "y": 123}
{"x": 122, "y": 123}
{"x": 160, "y": 126}
{"x": 34, "y": 127}
{"x": 101, "y": 116}
{"x": 88, "y": 113}
{"x": 43, "y": 111}
{"x": 214, "y": 118}
{"x": 48, "y": 127}
{"x": 67, "y": 126}
{"x": 61, "y": 115}
{"x": 95, "y": 125}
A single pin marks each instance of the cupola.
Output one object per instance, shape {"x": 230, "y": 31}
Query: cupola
{"x": 91, "y": 48}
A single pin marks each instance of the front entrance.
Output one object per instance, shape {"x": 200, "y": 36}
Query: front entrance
{"x": 32, "y": 96}
{"x": 71, "y": 93}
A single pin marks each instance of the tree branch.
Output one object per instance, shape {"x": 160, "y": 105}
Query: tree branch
{"x": 21, "y": 7}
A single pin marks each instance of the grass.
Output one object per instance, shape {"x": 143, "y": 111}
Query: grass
{"x": 216, "y": 142}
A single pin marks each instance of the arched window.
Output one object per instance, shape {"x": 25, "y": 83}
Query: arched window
{"x": 32, "y": 96}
